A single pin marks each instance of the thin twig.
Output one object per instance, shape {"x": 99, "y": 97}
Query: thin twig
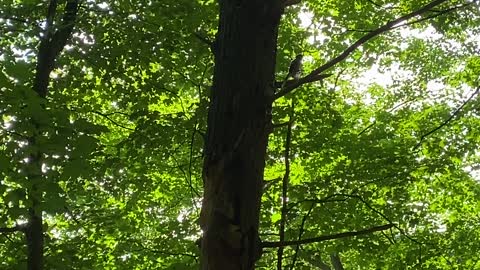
{"x": 190, "y": 165}
{"x": 111, "y": 120}
{"x": 286, "y": 176}
{"x": 203, "y": 39}
{"x": 338, "y": 78}
{"x": 279, "y": 125}
{"x": 8, "y": 238}
{"x": 300, "y": 234}
{"x": 375, "y": 4}
{"x": 388, "y": 111}
{"x": 455, "y": 113}
{"x": 383, "y": 216}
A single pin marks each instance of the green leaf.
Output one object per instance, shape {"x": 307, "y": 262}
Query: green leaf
{"x": 4, "y": 163}
{"x": 74, "y": 169}
{"x": 85, "y": 145}
{"x": 19, "y": 70}
{"x": 275, "y": 217}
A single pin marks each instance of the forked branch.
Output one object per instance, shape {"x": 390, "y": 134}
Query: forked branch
{"x": 316, "y": 73}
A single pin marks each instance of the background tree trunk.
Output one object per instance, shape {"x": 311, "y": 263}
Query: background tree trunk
{"x": 51, "y": 44}
{"x": 239, "y": 122}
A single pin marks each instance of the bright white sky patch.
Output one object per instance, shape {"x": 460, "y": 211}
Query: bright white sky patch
{"x": 374, "y": 76}
{"x": 428, "y": 33}
{"x": 103, "y": 5}
{"x": 435, "y": 86}
{"x": 474, "y": 173}
{"x": 306, "y": 18}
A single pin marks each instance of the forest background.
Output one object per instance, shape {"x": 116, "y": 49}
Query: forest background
{"x": 372, "y": 159}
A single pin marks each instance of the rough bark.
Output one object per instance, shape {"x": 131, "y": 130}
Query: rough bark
{"x": 239, "y": 122}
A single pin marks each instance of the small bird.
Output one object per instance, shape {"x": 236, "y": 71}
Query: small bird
{"x": 295, "y": 69}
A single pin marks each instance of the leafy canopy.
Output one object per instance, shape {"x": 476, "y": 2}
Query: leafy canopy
{"x": 390, "y": 137}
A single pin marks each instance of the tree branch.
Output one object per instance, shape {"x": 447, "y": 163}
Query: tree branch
{"x": 358, "y": 197}
{"x": 386, "y": 27}
{"x": 437, "y": 14}
{"x": 279, "y": 125}
{"x": 53, "y": 43}
{"x": 203, "y": 39}
{"x": 387, "y": 111}
{"x": 292, "y": 2}
{"x": 292, "y": 84}
{"x": 268, "y": 183}
{"x": 375, "y": 4}
{"x": 16, "y": 228}
{"x": 190, "y": 165}
{"x": 336, "y": 262}
{"x": 12, "y": 18}
{"x": 52, "y": 10}
{"x": 300, "y": 234}
{"x": 326, "y": 237}
{"x": 285, "y": 180}
{"x": 455, "y": 113}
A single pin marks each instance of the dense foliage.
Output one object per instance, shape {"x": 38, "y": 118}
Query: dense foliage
{"x": 390, "y": 137}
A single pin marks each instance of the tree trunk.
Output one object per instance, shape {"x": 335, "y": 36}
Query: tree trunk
{"x": 34, "y": 236}
{"x": 239, "y": 122}
{"x": 51, "y": 44}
